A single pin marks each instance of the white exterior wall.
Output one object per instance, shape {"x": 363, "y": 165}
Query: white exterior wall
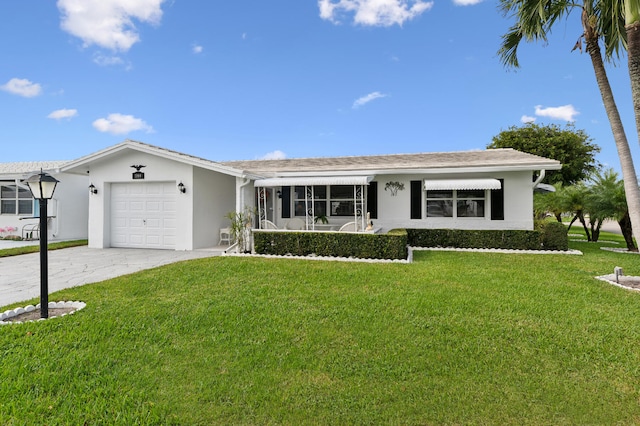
{"x": 70, "y": 206}
{"x": 215, "y": 195}
{"x": 118, "y": 168}
{"x": 394, "y": 212}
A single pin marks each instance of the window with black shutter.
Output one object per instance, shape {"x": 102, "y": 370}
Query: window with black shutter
{"x": 416, "y": 199}
{"x": 372, "y": 199}
{"x": 286, "y": 202}
{"x": 497, "y": 202}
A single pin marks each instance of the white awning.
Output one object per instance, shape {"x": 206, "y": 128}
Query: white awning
{"x": 310, "y": 181}
{"x": 461, "y": 184}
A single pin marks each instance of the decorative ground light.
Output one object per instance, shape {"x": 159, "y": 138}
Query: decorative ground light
{"x": 32, "y": 313}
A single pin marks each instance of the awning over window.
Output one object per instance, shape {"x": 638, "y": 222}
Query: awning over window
{"x": 440, "y": 184}
{"x": 310, "y": 181}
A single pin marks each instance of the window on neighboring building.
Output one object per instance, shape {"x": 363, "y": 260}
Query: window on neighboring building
{"x": 468, "y": 203}
{"x": 15, "y": 198}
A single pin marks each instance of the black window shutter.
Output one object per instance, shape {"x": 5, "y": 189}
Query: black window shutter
{"x": 286, "y": 202}
{"x": 372, "y": 199}
{"x": 497, "y": 202}
{"x": 416, "y": 199}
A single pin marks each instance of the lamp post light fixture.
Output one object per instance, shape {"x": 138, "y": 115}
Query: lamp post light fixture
{"x": 42, "y": 186}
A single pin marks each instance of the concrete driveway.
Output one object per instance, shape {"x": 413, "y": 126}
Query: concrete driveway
{"x": 20, "y": 275}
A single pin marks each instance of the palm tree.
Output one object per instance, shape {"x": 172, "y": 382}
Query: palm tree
{"x": 599, "y": 18}
{"x": 606, "y": 200}
{"x": 632, "y": 30}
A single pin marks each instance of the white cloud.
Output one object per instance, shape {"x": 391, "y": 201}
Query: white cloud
{"x": 366, "y": 99}
{"x": 197, "y": 49}
{"x": 108, "y": 23}
{"x": 63, "y": 113}
{"x": 565, "y": 112}
{"x": 274, "y": 155}
{"x": 527, "y": 119}
{"x": 384, "y": 13}
{"x": 22, "y": 87}
{"x": 466, "y": 2}
{"x": 105, "y": 61}
{"x": 119, "y": 124}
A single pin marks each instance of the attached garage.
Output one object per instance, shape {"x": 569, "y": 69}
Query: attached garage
{"x": 143, "y": 215}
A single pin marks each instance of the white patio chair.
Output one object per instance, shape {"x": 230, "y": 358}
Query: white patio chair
{"x": 295, "y": 224}
{"x": 267, "y": 224}
{"x": 349, "y": 227}
{"x": 225, "y": 236}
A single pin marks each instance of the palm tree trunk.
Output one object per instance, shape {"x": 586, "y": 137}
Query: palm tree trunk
{"x": 625, "y": 227}
{"x": 629, "y": 176}
{"x": 633, "y": 52}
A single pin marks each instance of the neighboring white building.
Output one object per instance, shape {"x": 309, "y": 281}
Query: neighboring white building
{"x": 67, "y": 211}
{"x": 150, "y": 197}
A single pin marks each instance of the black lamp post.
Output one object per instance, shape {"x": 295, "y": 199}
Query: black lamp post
{"x": 42, "y": 186}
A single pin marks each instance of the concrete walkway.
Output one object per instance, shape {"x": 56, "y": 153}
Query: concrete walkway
{"x": 20, "y": 275}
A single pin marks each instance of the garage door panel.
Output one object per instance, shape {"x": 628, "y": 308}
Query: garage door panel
{"x": 143, "y": 215}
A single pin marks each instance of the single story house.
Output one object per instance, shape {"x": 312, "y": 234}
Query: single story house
{"x": 19, "y": 212}
{"x": 144, "y": 196}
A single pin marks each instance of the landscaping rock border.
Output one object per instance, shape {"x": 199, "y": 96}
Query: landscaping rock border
{"x": 68, "y": 308}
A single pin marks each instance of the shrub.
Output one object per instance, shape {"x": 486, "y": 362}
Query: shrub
{"x": 461, "y": 238}
{"x": 553, "y": 235}
{"x": 392, "y": 245}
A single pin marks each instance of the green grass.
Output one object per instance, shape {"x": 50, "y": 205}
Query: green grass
{"x": 454, "y": 338}
{"x": 36, "y": 248}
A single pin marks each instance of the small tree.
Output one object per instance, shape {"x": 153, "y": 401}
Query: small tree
{"x": 573, "y": 148}
{"x": 241, "y": 227}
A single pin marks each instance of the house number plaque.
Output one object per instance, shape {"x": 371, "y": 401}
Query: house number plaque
{"x": 138, "y": 174}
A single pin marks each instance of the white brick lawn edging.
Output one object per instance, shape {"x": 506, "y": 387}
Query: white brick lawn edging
{"x": 76, "y": 306}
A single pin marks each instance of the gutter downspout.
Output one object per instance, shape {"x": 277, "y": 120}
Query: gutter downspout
{"x": 240, "y": 194}
{"x": 543, "y": 173}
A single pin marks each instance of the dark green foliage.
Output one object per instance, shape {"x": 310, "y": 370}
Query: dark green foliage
{"x": 507, "y": 239}
{"x": 573, "y": 148}
{"x": 553, "y": 234}
{"x": 392, "y": 245}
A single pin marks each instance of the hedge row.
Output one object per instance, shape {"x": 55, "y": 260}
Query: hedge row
{"x": 547, "y": 236}
{"x": 392, "y": 245}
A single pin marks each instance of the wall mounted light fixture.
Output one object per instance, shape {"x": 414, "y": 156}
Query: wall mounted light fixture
{"x": 279, "y": 193}
{"x": 93, "y": 189}
{"x": 181, "y": 188}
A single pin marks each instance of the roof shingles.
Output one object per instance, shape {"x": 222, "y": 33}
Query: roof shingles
{"x": 436, "y": 160}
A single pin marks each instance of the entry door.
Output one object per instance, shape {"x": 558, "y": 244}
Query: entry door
{"x": 143, "y": 215}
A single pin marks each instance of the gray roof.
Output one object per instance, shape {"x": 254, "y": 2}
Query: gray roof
{"x": 503, "y": 158}
{"x": 81, "y": 165}
{"x": 26, "y": 167}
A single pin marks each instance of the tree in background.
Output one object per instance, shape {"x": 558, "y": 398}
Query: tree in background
{"x": 573, "y": 148}
{"x": 600, "y": 22}
{"x": 606, "y": 200}
{"x": 601, "y": 198}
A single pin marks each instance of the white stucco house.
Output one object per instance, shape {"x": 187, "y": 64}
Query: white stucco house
{"x": 19, "y": 212}
{"x": 145, "y": 196}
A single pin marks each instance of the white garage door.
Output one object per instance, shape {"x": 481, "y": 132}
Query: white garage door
{"x": 143, "y": 215}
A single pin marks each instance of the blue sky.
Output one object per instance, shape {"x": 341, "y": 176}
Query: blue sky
{"x": 285, "y": 78}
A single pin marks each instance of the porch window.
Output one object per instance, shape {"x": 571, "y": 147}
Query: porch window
{"x": 302, "y": 200}
{"x": 342, "y": 200}
{"x": 15, "y": 198}
{"x": 468, "y": 203}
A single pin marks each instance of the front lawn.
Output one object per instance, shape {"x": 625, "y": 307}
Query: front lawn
{"x": 454, "y": 338}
